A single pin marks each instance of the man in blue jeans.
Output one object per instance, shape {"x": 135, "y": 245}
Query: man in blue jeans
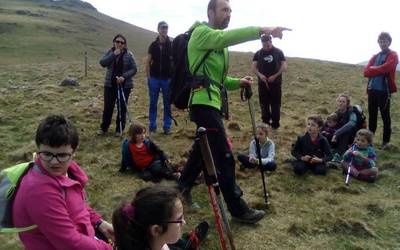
{"x": 158, "y": 71}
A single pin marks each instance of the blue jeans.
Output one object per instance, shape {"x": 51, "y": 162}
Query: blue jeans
{"x": 155, "y": 84}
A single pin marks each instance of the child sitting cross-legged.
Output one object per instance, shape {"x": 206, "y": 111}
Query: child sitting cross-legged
{"x": 361, "y": 157}
{"x": 143, "y": 156}
{"x": 312, "y": 150}
{"x": 267, "y": 147}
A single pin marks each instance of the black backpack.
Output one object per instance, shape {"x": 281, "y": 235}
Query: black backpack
{"x": 182, "y": 80}
{"x": 361, "y": 119}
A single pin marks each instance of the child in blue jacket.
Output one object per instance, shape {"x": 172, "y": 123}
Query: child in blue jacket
{"x": 361, "y": 157}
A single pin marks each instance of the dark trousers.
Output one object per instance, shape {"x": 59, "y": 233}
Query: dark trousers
{"x": 157, "y": 170}
{"x": 110, "y": 98}
{"x": 343, "y": 142}
{"x": 270, "y": 103}
{"x": 381, "y": 100}
{"x": 300, "y": 167}
{"x": 210, "y": 118}
{"x": 244, "y": 159}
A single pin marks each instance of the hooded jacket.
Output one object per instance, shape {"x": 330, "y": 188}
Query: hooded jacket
{"x": 57, "y": 205}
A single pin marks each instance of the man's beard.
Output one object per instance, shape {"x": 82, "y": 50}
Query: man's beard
{"x": 225, "y": 23}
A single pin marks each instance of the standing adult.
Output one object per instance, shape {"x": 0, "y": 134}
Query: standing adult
{"x": 268, "y": 64}
{"x": 381, "y": 72}
{"x": 52, "y": 198}
{"x": 121, "y": 67}
{"x": 206, "y": 101}
{"x": 158, "y": 71}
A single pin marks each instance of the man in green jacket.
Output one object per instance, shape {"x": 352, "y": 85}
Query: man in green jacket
{"x": 206, "y": 102}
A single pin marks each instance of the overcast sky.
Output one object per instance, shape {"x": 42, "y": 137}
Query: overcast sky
{"x": 339, "y": 30}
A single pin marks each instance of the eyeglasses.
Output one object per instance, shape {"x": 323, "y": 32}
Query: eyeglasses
{"x": 48, "y": 156}
{"x": 180, "y": 220}
{"x": 118, "y": 41}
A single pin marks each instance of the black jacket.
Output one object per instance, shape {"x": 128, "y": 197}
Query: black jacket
{"x": 160, "y": 64}
{"x": 304, "y": 146}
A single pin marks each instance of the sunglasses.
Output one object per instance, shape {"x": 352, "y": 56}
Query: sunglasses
{"x": 118, "y": 41}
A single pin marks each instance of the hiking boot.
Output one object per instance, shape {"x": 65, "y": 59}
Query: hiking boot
{"x": 100, "y": 132}
{"x": 385, "y": 146}
{"x": 337, "y": 158}
{"x": 167, "y": 131}
{"x": 252, "y": 216}
{"x": 197, "y": 235}
{"x": 187, "y": 198}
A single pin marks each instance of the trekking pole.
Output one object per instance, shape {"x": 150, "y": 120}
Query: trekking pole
{"x": 349, "y": 168}
{"x": 246, "y": 94}
{"x": 119, "y": 108}
{"x": 126, "y": 105}
{"x": 214, "y": 192}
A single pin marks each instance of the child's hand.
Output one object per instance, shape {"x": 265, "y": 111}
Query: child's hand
{"x": 306, "y": 158}
{"x": 355, "y": 153}
{"x": 315, "y": 160}
{"x": 253, "y": 160}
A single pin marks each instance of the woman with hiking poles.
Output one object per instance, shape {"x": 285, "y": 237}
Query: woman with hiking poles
{"x": 121, "y": 67}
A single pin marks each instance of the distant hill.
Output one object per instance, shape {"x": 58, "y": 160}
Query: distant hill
{"x": 36, "y": 31}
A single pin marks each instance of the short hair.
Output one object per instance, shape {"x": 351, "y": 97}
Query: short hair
{"x": 367, "y": 134}
{"x": 317, "y": 119}
{"x": 212, "y": 4}
{"x": 263, "y": 127}
{"x": 386, "y": 36}
{"x": 332, "y": 117}
{"x": 345, "y": 96}
{"x": 136, "y": 129}
{"x": 151, "y": 206}
{"x": 56, "y": 131}
{"x": 121, "y": 36}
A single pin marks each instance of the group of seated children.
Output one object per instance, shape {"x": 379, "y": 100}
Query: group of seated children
{"x": 312, "y": 151}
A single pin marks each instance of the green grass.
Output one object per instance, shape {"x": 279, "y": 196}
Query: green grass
{"x": 307, "y": 212}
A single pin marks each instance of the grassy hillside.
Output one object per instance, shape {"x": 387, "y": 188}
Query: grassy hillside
{"x": 45, "y": 31}
{"x": 306, "y": 212}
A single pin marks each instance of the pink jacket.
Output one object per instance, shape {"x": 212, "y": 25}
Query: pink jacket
{"x": 58, "y": 207}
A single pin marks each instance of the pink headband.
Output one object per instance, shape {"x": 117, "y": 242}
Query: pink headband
{"x": 128, "y": 211}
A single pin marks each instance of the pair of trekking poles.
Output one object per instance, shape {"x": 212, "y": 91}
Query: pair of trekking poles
{"x": 121, "y": 96}
{"x": 221, "y": 219}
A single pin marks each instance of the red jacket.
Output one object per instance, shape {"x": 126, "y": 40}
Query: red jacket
{"x": 387, "y": 68}
{"x": 57, "y": 205}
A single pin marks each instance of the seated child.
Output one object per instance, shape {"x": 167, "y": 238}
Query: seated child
{"x": 361, "y": 157}
{"x": 312, "y": 150}
{"x": 267, "y": 151}
{"x": 329, "y": 128}
{"x": 144, "y": 156}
